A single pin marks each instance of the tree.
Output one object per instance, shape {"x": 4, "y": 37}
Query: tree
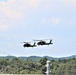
{"x": 43, "y": 61}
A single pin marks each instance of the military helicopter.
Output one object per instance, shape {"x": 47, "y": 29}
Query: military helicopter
{"x": 41, "y": 42}
{"x": 27, "y": 44}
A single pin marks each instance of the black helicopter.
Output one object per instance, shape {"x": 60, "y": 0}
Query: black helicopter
{"x": 41, "y": 42}
{"x": 29, "y": 45}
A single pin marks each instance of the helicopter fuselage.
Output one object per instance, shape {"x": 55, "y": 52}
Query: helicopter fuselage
{"x": 44, "y": 43}
{"x": 29, "y": 45}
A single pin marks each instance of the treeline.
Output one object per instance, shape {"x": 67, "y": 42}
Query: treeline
{"x": 17, "y": 66}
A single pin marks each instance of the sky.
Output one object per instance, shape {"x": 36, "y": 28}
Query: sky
{"x": 28, "y": 20}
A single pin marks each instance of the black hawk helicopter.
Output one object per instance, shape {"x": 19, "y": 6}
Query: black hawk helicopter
{"x": 41, "y": 42}
{"x": 27, "y": 44}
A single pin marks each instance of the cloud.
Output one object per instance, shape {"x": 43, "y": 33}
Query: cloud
{"x": 32, "y": 3}
{"x": 44, "y": 21}
{"x": 14, "y": 10}
{"x": 17, "y": 9}
{"x": 2, "y": 3}
{"x": 11, "y": 9}
{"x": 47, "y": 21}
{"x": 55, "y": 20}
{"x": 13, "y": 14}
{"x": 4, "y": 27}
{"x": 72, "y": 22}
{"x": 70, "y": 2}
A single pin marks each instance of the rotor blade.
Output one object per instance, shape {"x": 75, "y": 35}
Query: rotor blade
{"x": 42, "y": 39}
{"x": 36, "y": 40}
{"x": 45, "y": 39}
{"x": 24, "y": 42}
{"x": 51, "y": 39}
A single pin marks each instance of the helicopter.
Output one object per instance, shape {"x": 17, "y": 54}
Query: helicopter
{"x": 41, "y": 42}
{"x": 27, "y": 44}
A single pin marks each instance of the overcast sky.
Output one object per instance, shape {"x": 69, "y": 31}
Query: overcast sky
{"x": 28, "y": 20}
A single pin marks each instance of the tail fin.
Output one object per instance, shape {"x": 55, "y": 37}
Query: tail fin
{"x": 50, "y": 42}
{"x": 34, "y": 44}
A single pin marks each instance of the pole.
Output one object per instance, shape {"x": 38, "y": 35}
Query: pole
{"x": 48, "y": 68}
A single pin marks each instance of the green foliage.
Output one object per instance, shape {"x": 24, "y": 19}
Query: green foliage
{"x": 17, "y": 66}
{"x": 43, "y": 61}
